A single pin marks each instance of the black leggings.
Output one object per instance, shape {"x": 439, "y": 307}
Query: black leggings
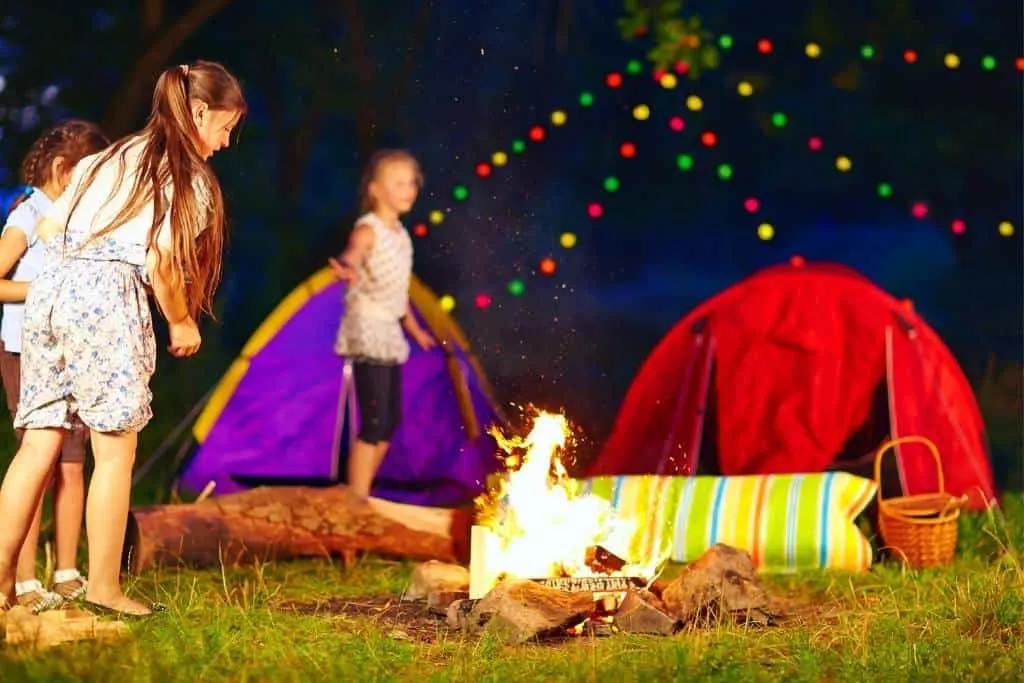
{"x": 379, "y": 395}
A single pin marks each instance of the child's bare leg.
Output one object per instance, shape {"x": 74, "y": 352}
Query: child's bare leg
{"x": 363, "y": 462}
{"x": 106, "y": 519}
{"x": 20, "y": 495}
{"x": 68, "y": 507}
{"x": 30, "y": 547}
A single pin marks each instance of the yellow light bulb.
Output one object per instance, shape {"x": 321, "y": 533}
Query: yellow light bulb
{"x": 745, "y": 89}
{"x": 765, "y": 232}
{"x": 694, "y": 103}
{"x": 436, "y": 217}
{"x": 843, "y": 164}
{"x": 499, "y": 158}
{"x": 813, "y": 50}
{"x": 558, "y": 117}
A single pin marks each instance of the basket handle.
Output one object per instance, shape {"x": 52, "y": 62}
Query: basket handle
{"x": 891, "y": 444}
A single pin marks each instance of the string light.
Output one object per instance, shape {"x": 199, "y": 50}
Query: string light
{"x": 595, "y": 210}
{"x": 751, "y": 204}
{"x": 483, "y": 170}
{"x": 909, "y": 56}
{"x": 958, "y": 227}
{"x": 459, "y": 192}
{"x": 668, "y": 81}
{"x": 516, "y": 287}
{"x": 708, "y": 139}
{"x": 684, "y": 162}
{"x": 778, "y": 119}
{"x": 567, "y": 240}
{"x": 724, "y": 171}
{"x": 586, "y": 99}
{"x": 814, "y": 143}
{"x": 611, "y": 184}
{"x": 988, "y": 63}
{"x": 536, "y": 134}
{"x": 725, "y": 41}
{"x": 884, "y": 190}
{"x": 641, "y": 112}
{"x": 613, "y": 80}
{"x": 518, "y": 146}
{"x": 420, "y": 230}
{"x": 558, "y": 117}
{"x": 813, "y": 50}
{"x": 951, "y": 60}
{"x": 764, "y": 46}
{"x": 482, "y": 300}
{"x": 682, "y": 67}
{"x": 627, "y": 150}
{"x": 436, "y": 217}
{"x": 634, "y": 66}
{"x": 843, "y": 164}
{"x": 745, "y": 89}
{"x": 547, "y": 266}
{"x": 676, "y": 123}
{"x": 447, "y": 303}
{"x": 919, "y": 210}
{"x": 1006, "y": 229}
{"x": 499, "y": 158}
{"x": 867, "y": 52}
{"x": 765, "y": 232}
{"x": 694, "y": 103}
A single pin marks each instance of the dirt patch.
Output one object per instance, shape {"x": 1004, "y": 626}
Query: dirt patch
{"x": 412, "y": 621}
{"x": 400, "y": 620}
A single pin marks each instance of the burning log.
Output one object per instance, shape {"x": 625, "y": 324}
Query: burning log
{"x": 290, "y": 522}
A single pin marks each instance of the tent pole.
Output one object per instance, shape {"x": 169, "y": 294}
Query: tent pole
{"x": 677, "y": 411}
{"x": 344, "y": 395}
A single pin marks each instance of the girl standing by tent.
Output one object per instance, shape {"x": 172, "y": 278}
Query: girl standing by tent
{"x": 46, "y": 171}
{"x": 377, "y": 264}
{"x": 148, "y": 207}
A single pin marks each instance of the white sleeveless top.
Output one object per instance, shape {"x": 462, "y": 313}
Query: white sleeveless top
{"x": 375, "y": 303}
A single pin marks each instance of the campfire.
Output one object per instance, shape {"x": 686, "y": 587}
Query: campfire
{"x": 536, "y": 524}
{"x": 547, "y": 558}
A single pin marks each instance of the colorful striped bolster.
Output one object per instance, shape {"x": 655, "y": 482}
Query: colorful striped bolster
{"x": 786, "y": 522}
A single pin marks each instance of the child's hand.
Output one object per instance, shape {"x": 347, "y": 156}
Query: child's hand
{"x": 343, "y": 272}
{"x": 425, "y": 341}
{"x": 185, "y": 339}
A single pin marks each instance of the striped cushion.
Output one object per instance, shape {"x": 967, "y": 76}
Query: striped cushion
{"x": 785, "y": 521}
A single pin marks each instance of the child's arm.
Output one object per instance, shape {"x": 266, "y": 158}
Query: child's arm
{"x": 412, "y": 326}
{"x": 360, "y": 243}
{"x": 170, "y": 298}
{"x": 13, "y": 244}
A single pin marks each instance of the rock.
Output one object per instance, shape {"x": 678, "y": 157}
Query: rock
{"x": 439, "y": 601}
{"x": 437, "y": 577}
{"x": 517, "y": 611}
{"x": 637, "y": 615}
{"x": 720, "y": 582}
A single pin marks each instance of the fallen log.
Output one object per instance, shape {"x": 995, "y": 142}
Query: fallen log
{"x": 276, "y": 523}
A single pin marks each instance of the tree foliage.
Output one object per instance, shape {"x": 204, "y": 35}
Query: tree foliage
{"x": 678, "y": 41}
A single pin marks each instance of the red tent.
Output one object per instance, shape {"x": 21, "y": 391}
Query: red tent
{"x": 802, "y": 368}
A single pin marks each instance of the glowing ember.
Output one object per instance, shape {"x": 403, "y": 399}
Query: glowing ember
{"x": 541, "y": 521}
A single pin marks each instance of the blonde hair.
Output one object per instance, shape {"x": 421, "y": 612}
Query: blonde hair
{"x": 171, "y": 156}
{"x": 377, "y": 161}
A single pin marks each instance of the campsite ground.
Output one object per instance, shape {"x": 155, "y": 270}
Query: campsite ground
{"x": 313, "y": 620}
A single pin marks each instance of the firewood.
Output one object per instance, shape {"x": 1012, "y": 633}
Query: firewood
{"x": 22, "y": 628}
{"x": 433, "y": 577}
{"x": 720, "y": 583}
{"x": 637, "y": 615}
{"x": 517, "y": 611}
{"x": 275, "y": 523}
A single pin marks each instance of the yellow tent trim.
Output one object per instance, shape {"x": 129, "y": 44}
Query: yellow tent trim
{"x": 424, "y": 300}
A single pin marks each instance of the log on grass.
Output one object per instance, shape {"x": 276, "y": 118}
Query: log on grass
{"x": 276, "y": 523}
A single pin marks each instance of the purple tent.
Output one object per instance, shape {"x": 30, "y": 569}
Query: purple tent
{"x": 284, "y": 411}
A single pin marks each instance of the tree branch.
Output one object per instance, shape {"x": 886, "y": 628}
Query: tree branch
{"x": 135, "y": 89}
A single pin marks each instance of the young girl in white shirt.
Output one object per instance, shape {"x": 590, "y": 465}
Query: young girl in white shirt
{"x": 147, "y": 210}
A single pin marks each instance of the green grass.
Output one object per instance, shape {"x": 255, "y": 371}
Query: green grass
{"x": 964, "y": 622}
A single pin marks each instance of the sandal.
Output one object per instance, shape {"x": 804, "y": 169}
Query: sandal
{"x": 103, "y": 610}
{"x": 39, "y": 601}
{"x": 73, "y": 589}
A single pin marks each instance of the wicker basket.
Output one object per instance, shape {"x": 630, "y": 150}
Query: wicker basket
{"x": 921, "y": 529}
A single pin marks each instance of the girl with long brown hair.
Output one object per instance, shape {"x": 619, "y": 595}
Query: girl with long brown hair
{"x": 147, "y": 210}
{"x": 46, "y": 172}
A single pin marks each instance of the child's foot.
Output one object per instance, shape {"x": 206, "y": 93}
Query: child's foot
{"x": 71, "y": 589}
{"x": 122, "y": 605}
{"x": 37, "y": 599}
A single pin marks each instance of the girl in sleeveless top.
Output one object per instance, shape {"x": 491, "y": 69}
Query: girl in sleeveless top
{"x": 46, "y": 171}
{"x": 147, "y": 212}
{"x": 377, "y": 265}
